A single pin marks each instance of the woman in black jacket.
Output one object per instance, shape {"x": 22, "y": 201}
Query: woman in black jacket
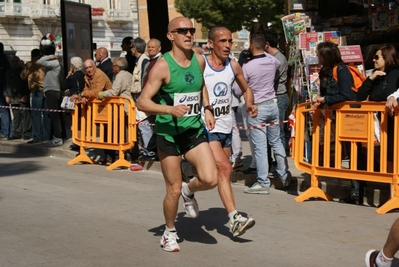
{"x": 74, "y": 82}
{"x": 382, "y": 83}
{"x": 73, "y": 86}
{"x": 332, "y": 91}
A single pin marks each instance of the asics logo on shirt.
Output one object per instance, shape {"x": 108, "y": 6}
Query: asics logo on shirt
{"x": 220, "y": 101}
{"x": 188, "y": 98}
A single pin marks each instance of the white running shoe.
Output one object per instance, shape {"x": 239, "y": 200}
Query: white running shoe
{"x": 169, "y": 242}
{"x": 241, "y": 224}
{"x": 190, "y": 204}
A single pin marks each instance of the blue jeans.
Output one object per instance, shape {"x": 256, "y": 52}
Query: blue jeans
{"x": 261, "y": 136}
{"x": 41, "y": 126}
{"x": 5, "y": 117}
{"x": 282, "y": 103}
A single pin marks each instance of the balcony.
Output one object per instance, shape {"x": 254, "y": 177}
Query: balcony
{"x": 16, "y": 10}
{"x": 118, "y": 15}
{"x": 45, "y": 11}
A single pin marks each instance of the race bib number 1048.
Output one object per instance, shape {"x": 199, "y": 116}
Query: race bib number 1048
{"x": 191, "y": 100}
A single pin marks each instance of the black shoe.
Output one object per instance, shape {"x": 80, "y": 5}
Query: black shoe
{"x": 287, "y": 181}
{"x": 34, "y": 141}
{"x": 74, "y": 147}
{"x": 14, "y": 138}
{"x": 250, "y": 171}
{"x": 352, "y": 199}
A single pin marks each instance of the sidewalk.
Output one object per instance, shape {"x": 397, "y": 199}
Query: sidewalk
{"x": 375, "y": 194}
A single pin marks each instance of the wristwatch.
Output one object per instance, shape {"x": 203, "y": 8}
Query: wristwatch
{"x": 208, "y": 107}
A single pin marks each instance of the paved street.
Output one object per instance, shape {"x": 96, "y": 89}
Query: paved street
{"x": 53, "y": 214}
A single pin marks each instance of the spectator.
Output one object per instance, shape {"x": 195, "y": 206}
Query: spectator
{"x": 74, "y": 82}
{"x": 122, "y": 83}
{"x": 146, "y": 128}
{"x": 138, "y": 50}
{"x": 120, "y": 87}
{"x": 130, "y": 58}
{"x": 96, "y": 81}
{"x": 34, "y": 74}
{"x": 281, "y": 80}
{"x": 17, "y": 94}
{"x": 138, "y": 46}
{"x": 104, "y": 63}
{"x": 52, "y": 88}
{"x": 333, "y": 92}
{"x": 4, "y": 112}
{"x": 380, "y": 86}
{"x": 243, "y": 58}
{"x": 72, "y": 87}
{"x": 260, "y": 74}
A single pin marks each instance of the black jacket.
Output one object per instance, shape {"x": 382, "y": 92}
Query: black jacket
{"x": 106, "y": 67}
{"x": 336, "y": 91}
{"x": 380, "y": 88}
{"x": 75, "y": 83}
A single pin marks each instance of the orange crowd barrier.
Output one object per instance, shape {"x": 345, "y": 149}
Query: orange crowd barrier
{"x": 104, "y": 124}
{"x": 318, "y": 146}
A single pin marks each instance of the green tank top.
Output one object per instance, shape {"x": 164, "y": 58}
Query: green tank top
{"x": 184, "y": 87}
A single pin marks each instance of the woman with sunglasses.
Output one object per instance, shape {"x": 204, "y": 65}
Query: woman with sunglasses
{"x": 380, "y": 85}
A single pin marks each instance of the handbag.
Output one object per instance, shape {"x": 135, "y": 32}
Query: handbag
{"x": 67, "y": 103}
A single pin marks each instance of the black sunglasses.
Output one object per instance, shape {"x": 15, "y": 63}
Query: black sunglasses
{"x": 184, "y": 31}
{"x": 376, "y": 57}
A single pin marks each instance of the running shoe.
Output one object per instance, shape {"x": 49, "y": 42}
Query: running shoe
{"x": 371, "y": 256}
{"x": 241, "y": 224}
{"x": 169, "y": 242}
{"x": 190, "y": 204}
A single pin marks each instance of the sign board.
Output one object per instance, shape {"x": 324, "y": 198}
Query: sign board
{"x": 351, "y": 53}
{"x": 353, "y": 125}
{"x": 77, "y": 36}
{"x": 311, "y": 39}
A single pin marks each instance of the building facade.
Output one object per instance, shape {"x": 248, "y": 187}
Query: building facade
{"x": 24, "y": 22}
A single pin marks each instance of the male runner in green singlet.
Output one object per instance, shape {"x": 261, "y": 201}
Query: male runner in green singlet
{"x": 178, "y": 81}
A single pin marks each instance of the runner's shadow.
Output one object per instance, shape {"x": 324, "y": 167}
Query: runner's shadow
{"x": 199, "y": 229}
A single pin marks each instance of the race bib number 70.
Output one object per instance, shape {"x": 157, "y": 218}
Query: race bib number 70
{"x": 191, "y": 100}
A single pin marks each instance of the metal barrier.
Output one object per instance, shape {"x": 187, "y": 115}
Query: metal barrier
{"x": 354, "y": 125}
{"x": 104, "y": 124}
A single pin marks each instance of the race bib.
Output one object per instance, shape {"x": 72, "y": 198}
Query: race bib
{"x": 191, "y": 100}
{"x": 221, "y": 106}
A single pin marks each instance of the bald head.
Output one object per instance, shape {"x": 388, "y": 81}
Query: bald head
{"x": 101, "y": 53}
{"x": 179, "y": 22}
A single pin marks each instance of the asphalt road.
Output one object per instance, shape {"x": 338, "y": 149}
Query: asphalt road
{"x": 52, "y": 214}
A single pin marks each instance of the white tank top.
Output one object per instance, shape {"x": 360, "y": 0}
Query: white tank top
{"x": 219, "y": 85}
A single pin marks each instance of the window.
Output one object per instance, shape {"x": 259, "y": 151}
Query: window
{"x": 113, "y": 4}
